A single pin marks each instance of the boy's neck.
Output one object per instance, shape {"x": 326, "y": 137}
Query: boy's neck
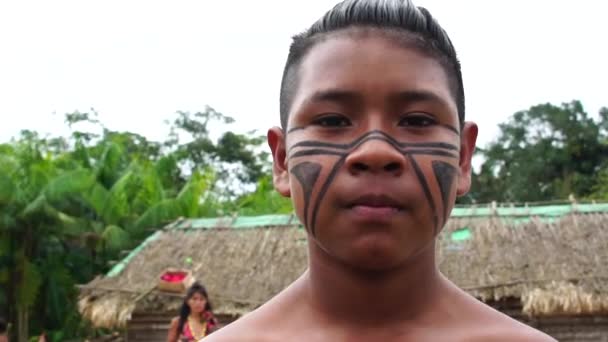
{"x": 406, "y": 293}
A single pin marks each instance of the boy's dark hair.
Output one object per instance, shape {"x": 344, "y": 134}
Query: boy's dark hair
{"x": 400, "y": 19}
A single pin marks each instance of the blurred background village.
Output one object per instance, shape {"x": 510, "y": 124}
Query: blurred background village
{"x": 170, "y": 168}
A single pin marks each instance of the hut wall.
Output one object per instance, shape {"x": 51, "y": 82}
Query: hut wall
{"x": 575, "y": 328}
{"x": 563, "y": 328}
{"x": 154, "y": 326}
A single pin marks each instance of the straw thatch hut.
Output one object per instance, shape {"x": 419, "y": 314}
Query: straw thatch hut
{"x": 546, "y": 266}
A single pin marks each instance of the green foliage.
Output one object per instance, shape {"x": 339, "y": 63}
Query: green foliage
{"x": 547, "y": 152}
{"x": 29, "y": 284}
{"x": 231, "y": 152}
{"x": 264, "y": 200}
{"x": 68, "y": 183}
{"x": 70, "y": 205}
{"x": 600, "y": 190}
{"x": 115, "y": 238}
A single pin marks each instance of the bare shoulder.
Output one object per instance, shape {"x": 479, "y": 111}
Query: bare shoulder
{"x": 481, "y": 322}
{"x": 515, "y": 331}
{"x": 268, "y": 323}
{"x": 174, "y": 322}
{"x": 493, "y": 325}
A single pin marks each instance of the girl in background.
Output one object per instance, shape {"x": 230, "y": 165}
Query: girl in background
{"x": 196, "y": 319}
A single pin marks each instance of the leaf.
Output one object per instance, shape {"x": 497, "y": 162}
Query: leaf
{"x": 109, "y": 165}
{"x": 158, "y": 215}
{"x": 7, "y": 220}
{"x": 96, "y": 198}
{"x": 29, "y": 286}
{"x": 70, "y": 225}
{"x": 117, "y": 205}
{"x": 115, "y": 238}
{"x": 190, "y": 196}
{"x": 34, "y": 207}
{"x": 69, "y": 183}
{"x": 149, "y": 190}
{"x": 58, "y": 286}
{"x": 4, "y": 275}
{"x": 7, "y": 188}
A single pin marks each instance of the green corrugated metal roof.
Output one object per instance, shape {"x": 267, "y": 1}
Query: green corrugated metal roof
{"x": 548, "y": 210}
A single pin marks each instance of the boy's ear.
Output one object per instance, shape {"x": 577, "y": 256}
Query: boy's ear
{"x": 468, "y": 138}
{"x": 280, "y": 170}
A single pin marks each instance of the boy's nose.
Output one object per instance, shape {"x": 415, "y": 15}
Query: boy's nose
{"x": 376, "y": 156}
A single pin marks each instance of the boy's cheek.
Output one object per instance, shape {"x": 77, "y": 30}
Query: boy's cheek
{"x": 298, "y": 201}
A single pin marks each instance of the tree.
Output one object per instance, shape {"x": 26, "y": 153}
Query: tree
{"x": 265, "y": 200}
{"x": 544, "y": 153}
{"x": 235, "y": 158}
{"x": 70, "y": 205}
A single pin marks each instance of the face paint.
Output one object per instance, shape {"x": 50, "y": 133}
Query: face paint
{"x": 307, "y": 173}
{"x": 445, "y": 174}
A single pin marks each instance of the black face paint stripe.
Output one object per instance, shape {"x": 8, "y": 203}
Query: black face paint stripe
{"x": 316, "y": 151}
{"x": 408, "y": 150}
{"x": 445, "y": 174}
{"x": 328, "y": 181}
{"x": 441, "y": 145}
{"x": 321, "y": 152}
{"x": 432, "y": 153}
{"x": 427, "y": 192}
{"x": 307, "y": 173}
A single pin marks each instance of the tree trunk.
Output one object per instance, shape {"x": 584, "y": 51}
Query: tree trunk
{"x": 10, "y": 291}
{"x": 22, "y": 324}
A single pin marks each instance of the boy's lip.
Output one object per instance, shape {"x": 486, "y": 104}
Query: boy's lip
{"x": 376, "y": 201}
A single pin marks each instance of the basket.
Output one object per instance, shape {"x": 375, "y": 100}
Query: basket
{"x": 177, "y": 285}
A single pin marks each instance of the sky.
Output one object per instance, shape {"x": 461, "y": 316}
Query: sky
{"x": 138, "y": 62}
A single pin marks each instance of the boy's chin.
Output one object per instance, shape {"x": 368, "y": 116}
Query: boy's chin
{"x": 373, "y": 256}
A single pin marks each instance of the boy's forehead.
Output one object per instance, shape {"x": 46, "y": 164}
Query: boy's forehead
{"x": 359, "y": 63}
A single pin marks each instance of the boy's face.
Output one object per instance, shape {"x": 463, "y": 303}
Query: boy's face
{"x": 373, "y": 156}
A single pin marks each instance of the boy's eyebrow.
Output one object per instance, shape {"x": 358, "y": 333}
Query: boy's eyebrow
{"x": 407, "y": 96}
{"x": 414, "y": 96}
{"x": 335, "y": 95}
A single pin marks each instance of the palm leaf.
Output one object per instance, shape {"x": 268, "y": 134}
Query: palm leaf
{"x": 28, "y": 289}
{"x": 7, "y": 187}
{"x": 35, "y": 206}
{"x": 109, "y": 165}
{"x": 117, "y": 203}
{"x": 115, "y": 238}
{"x": 149, "y": 190}
{"x": 190, "y": 196}
{"x": 97, "y": 198}
{"x": 69, "y": 183}
{"x": 158, "y": 215}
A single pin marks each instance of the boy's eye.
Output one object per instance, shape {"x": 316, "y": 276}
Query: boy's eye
{"x": 417, "y": 120}
{"x": 332, "y": 121}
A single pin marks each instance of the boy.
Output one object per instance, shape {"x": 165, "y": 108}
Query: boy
{"x": 373, "y": 150}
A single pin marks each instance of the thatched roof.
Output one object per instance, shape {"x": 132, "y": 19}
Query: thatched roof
{"x": 553, "y": 260}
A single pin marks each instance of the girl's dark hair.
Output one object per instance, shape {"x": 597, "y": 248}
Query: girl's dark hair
{"x": 185, "y": 309}
{"x": 413, "y": 26}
